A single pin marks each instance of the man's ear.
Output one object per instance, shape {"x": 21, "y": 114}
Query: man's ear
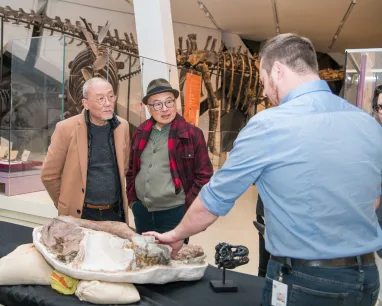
{"x": 149, "y": 109}
{"x": 85, "y": 104}
{"x": 278, "y": 70}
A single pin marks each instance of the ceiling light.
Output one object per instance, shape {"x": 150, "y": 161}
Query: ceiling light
{"x": 276, "y": 17}
{"x": 208, "y": 14}
{"x": 342, "y": 23}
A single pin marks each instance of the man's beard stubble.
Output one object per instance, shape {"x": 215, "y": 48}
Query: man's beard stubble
{"x": 275, "y": 92}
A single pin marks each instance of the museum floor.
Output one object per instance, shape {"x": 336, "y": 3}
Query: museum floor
{"x": 34, "y": 209}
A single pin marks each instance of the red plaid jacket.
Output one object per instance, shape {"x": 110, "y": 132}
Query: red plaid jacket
{"x": 190, "y": 164}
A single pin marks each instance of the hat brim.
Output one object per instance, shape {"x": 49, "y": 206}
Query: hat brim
{"x": 174, "y": 91}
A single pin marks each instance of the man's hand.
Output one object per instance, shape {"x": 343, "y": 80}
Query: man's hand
{"x": 169, "y": 239}
{"x": 197, "y": 219}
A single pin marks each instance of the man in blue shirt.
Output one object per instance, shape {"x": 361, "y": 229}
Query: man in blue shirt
{"x": 318, "y": 170}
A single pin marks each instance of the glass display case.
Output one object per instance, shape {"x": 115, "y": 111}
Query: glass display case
{"x": 363, "y": 73}
{"x": 42, "y": 84}
{"x": 31, "y": 105}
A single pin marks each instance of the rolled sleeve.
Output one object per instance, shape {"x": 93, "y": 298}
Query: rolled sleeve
{"x": 243, "y": 167}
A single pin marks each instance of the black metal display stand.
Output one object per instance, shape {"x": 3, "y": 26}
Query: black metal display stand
{"x": 226, "y": 258}
{"x": 223, "y": 285}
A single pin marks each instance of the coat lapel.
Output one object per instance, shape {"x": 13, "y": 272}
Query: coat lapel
{"x": 120, "y": 147}
{"x": 82, "y": 144}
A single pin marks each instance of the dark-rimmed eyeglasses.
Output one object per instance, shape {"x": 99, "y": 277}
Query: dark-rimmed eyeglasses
{"x": 159, "y": 105}
{"x": 378, "y": 108}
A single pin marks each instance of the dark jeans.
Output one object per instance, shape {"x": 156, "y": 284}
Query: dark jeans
{"x": 158, "y": 221}
{"x": 102, "y": 215}
{"x": 263, "y": 253}
{"x": 354, "y": 286}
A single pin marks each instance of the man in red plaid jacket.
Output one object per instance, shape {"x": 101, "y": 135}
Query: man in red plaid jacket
{"x": 168, "y": 165}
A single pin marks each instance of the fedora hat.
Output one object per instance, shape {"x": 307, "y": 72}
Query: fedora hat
{"x": 158, "y": 86}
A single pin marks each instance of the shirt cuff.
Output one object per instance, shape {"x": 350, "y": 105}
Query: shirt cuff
{"x": 212, "y": 203}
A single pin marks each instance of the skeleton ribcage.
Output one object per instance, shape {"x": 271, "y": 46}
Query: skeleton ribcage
{"x": 85, "y": 59}
{"x": 5, "y": 99}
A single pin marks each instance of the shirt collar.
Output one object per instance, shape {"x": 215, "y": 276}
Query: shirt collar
{"x": 163, "y": 129}
{"x": 304, "y": 88}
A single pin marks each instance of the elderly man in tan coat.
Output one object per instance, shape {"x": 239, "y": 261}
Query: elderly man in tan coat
{"x": 84, "y": 170}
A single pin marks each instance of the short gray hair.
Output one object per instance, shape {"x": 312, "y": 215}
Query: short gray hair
{"x": 91, "y": 82}
{"x": 296, "y": 52}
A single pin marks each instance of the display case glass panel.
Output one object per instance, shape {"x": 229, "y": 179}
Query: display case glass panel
{"x": 44, "y": 86}
{"x": 32, "y": 104}
{"x": 363, "y": 74}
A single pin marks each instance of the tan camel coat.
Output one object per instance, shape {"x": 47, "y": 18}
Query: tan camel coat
{"x": 64, "y": 171}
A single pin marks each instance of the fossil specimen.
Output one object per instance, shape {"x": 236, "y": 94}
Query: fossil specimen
{"x": 108, "y": 246}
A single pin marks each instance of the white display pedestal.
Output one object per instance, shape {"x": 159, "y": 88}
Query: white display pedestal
{"x": 30, "y": 209}
{"x": 21, "y": 182}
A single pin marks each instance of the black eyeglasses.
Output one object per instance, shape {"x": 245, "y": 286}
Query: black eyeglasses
{"x": 378, "y": 108}
{"x": 159, "y": 105}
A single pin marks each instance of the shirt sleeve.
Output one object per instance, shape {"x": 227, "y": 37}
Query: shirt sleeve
{"x": 244, "y": 165}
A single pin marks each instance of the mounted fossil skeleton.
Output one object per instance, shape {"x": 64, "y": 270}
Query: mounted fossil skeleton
{"x": 240, "y": 86}
{"x": 127, "y": 45}
{"x": 225, "y": 65}
{"x": 237, "y": 74}
{"x": 95, "y": 60}
{"x": 99, "y": 48}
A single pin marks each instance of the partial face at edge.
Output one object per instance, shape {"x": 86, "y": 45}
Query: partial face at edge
{"x": 100, "y": 101}
{"x": 271, "y": 90}
{"x": 379, "y": 102}
{"x": 165, "y": 115}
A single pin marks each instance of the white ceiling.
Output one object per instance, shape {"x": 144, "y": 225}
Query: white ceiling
{"x": 315, "y": 19}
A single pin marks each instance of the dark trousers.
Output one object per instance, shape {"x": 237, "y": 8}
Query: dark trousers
{"x": 158, "y": 221}
{"x": 317, "y": 286}
{"x": 263, "y": 253}
{"x": 102, "y": 215}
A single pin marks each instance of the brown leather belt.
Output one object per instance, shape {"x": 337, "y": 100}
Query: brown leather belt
{"x": 100, "y": 207}
{"x": 366, "y": 259}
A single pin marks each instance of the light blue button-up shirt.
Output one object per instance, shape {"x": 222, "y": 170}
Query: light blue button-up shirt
{"x": 317, "y": 163}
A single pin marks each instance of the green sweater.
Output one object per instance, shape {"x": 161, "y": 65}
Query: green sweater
{"x": 154, "y": 185}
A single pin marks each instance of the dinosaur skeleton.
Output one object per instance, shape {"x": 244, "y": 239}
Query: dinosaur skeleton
{"x": 95, "y": 60}
{"x": 228, "y": 66}
{"x": 98, "y": 52}
{"x": 126, "y": 45}
{"x": 233, "y": 68}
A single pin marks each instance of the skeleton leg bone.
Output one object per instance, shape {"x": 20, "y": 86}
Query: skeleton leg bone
{"x": 213, "y": 107}
{"x": 241, "y": 81}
